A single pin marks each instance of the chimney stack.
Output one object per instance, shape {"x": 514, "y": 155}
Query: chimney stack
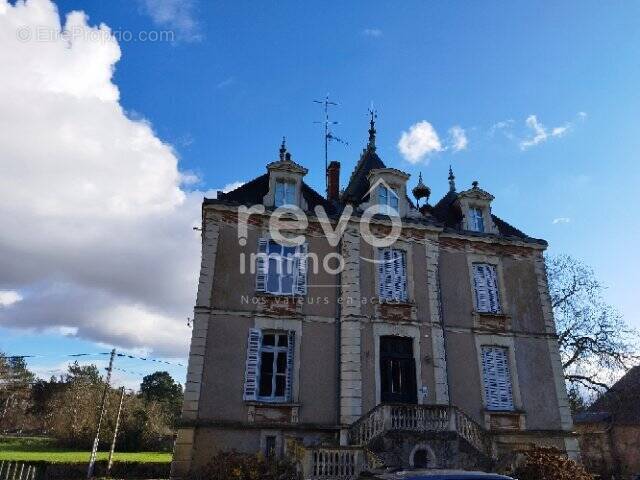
{"x": 333, "y": 181}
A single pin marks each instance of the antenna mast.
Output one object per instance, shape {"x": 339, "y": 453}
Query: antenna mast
{"x": 327, "y": 135}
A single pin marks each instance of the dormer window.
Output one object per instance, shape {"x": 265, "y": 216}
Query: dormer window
{"x": 388, "y": 199}
{"x": 476, "y": 219}
{"x": 285, "y": 193}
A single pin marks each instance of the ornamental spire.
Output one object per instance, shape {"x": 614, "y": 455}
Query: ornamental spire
{"x": 283, "y": 148}
{"x": 452, "y": 180}
{"x": 372, "y": 128}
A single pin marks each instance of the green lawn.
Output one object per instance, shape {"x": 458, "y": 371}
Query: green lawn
{"x": 37, "y": 448}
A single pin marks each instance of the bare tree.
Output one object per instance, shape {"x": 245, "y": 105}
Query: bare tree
{"x": 594, "y": 339}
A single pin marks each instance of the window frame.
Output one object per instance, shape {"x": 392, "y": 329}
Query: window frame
{"x": 288, "y": 193}
{"x": 293, "y": 265}
{"x": 509, "y": 404}
{"x": 496, "y": 288}
{"x": 476, "y": 219}
{"x": 276, "y": 350}
{"x": 382, "y": 276}
{"x": 386, "y": 200}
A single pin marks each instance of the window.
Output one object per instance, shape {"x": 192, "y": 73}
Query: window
{"x": 270, "y": 446}
{"x": 285, "y": 193}
{"x": 497, "y": 378}
{"x": 388, "y": 199}
{"x": 392, "y": 274}
{"x": 476, "y": 220}
{"x": 269, "y": 365}
{"x": 280, "y": 269}
{"x": 486, "y": 288}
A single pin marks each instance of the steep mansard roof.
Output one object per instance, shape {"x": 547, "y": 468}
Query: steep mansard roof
{"x": 443, "y": 212}
{"x": 252, "y": 193}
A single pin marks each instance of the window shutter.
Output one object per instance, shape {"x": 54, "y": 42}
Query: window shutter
{"x": 492, "y": 288}
{"x": 381, "y": 274}
{"x": 261, "y": 265}
{"x": 252, "y": 366}
{"x": 399, "y": 275}
{"x": 497, "y": 378}
{"x": 290, "y": 351}
{"x": 301, "y": 270}
{"x": 479, "y": 279}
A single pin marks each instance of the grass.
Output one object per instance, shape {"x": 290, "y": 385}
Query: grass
{"x": 38, "y": 448}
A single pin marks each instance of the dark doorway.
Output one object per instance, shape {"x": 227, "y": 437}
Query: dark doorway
{"x": 397, "y": 370}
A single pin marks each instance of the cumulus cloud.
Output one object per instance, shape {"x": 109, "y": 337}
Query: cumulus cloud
{"x": 458, "y": 138}
{"x": 419, "y": 142}
{"x": 97, "y": 235}
{"x": 9, "y": 297}
{"x": 372, "y": 32}
{"x": 539, "y": 133}
{"x": 177, "y": 15}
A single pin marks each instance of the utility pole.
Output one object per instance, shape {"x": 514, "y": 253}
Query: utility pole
{"x": 94, "y": 450}
{"x": 115, "y": 432}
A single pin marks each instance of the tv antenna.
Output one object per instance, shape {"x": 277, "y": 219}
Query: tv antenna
{"x": 328, "y": 134}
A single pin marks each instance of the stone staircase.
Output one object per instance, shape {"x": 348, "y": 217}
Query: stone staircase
{"x": 389, "y": 435}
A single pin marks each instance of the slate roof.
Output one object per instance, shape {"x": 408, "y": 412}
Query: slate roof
{"x": 252, "y": 193}
{"x": 358, "y": 184}
{"x": 621, "y": 402}
{"x": 444, "y": 213}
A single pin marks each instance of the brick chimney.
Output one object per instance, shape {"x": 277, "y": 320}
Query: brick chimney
{"x": 333, "y": 181}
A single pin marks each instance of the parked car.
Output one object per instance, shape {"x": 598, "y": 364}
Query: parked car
{"x": 434, "y": 475}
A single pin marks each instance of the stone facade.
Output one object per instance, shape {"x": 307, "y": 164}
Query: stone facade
{"x": 337, "y": 366}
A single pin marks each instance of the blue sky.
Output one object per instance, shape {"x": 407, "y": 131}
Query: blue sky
{"x": 240, "y": 75}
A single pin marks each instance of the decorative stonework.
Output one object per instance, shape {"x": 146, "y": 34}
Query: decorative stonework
{"x": 350, "y": 339}
{"x": 280, "y": 305}
{"x": 286, "y": 413}
{"x": 437, "y": 334}
{"x": 493, "y": 322}
{"x": 396, "y": 312}
{"x": 566, "y": 420}
{"x": 505, "y": 421}
{"x": 183, "y": 447}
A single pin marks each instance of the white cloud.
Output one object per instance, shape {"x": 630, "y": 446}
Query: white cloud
{"x": 458, "y": 138}
{"x": 372, "y": 32}
{"x": 227, "y": 82}
{"x": 420, "y": 141}
{"x": 561, "y": 220}
{"x": 539, "y": 133}
{"x": 9, "y": 297}
{"x": 177, "y": 15}
{"x": 96, "y": 229}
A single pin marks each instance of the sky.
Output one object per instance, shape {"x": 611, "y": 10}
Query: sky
{"x": 111, "y": 135}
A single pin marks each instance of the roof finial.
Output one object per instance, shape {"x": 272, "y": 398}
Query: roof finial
{"x": 283, "y": 148}
{"x": 452, "y": 180}
{"x": 421, "y": 191}
{"x": 372, "y": 127}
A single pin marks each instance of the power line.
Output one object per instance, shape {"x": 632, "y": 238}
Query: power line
{"x": 76, "y": 355}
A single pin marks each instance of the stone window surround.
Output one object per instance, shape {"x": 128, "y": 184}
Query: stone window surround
{"x": 392, "y": 178}
{"x": 285, "y": 175}
{"x": 407, "y": 247}
{"x": 497, "y": 262}
{"x": 470, "y": 199}
{"x": 285, "y": 324}
{"x": 263, "y": 441}
{"x": 265, "y": 234}
{"x": 482, "y": 340}
{"x": 381, "y": 329}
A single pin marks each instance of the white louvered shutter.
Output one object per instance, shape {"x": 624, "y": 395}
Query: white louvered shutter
{"x": 399, "y": 275}
{"x": 492, "y": 288}
{"x": 262, "y": 265}
{"x": 301, "y": 270}
{"x": 252, "y": 366}
{"x": 291, "y": 334}
{"x": 480, "y": 282}
{"x": 497, "y": 378}
{"x": 385, "y": 269}
{"x": 381, "y": 274}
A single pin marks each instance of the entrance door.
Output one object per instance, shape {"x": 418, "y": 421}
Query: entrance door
{"x": 397, "y": 370}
